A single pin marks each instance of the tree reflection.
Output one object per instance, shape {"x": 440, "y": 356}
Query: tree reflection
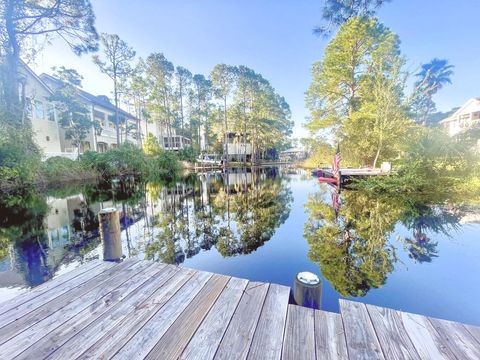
{"x": 425, "y": 220}
{"x": 236, "y": 212}
{"x": 353, "y": 247}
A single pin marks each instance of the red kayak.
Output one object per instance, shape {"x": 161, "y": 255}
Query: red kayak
{"x": 327, "y": 180}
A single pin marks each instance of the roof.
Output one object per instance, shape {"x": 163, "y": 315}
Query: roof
{"x": 94, "y": 99}
{"x": 460, "y": 110}
{"x": 27, "y": 68}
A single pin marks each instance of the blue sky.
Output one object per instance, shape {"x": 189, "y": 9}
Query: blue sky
{"x": 274, "y": 37}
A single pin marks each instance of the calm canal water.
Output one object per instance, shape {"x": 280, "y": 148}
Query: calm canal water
{"x": 264, "y": 225}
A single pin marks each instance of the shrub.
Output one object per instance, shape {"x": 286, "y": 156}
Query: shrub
{"x": 60, "y": 167}
{"x": 187, "y": 154}
{"x": 164, "y": 166}
{"x": 19, "y": 157}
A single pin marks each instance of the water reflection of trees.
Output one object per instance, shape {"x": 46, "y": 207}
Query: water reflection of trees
{"x": 39, "y": 232}
{"x": 353, "y": 246}
{"x": 237, "y": 213}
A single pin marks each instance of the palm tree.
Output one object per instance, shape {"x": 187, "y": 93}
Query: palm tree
{"x": 432, "y": 77}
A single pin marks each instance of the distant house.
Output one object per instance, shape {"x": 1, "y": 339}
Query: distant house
{"x": 238, "y": 148}
{"x": 466, "y": 117}
{"x": 167, "y": 140}
{"x": 293, "y": 154}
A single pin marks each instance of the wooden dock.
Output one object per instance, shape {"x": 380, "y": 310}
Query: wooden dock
{"x": 346, "y": 175}
{"x": 142, "y": 309}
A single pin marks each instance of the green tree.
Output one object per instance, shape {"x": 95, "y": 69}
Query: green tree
{"x": 74, "y": 116}
{"x": 361, "y": 101}
{"x": 261, "y": 115}
{"x": 183, "y": 81}
{"x": 337, "y": 12}
{"x": 118, "y": 56}
{"x": 432, "y": 77}
{"x": 159, "y": 73}
{"x": 223, "y": 80}
{"x": 23, "y": 22}
{"x": 200, "y": 98}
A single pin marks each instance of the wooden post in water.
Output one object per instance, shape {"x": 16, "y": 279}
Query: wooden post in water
{"x": 110, "y": 234}
{"x": 307, "y": 290}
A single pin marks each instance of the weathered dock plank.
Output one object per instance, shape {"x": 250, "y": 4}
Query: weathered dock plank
{"x": 63, "y": 333}
{"x": 362, "y": 342}
{"x": 457, "y": 338}
{"x": 142, "y": 309}
{"x": 238, "y": 337}
{"x": 424, "y": 337}
{"x": 129, "y": 318}
{"x": 28, "y": 314}
{"x": 37, "y": 331}
{"x": 204, "y": 343}
{"x": 159, "y": 321}
{"x": 329, "y": 336}
{"x": 299, "y": 339}
{"x": 391, "y": 333}
{"x": 172, "y": 344}
{"x": 268, "y": 338}
{"x": 47, "y": 286}
{"x": 26, "y": 307}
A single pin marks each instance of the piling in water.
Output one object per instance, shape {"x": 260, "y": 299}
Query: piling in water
{"x": 110, "y": 234}
{"x": 307, "y": 290}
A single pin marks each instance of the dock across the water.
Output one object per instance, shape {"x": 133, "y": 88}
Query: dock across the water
{"x": 142, "y": 309}
{"x": 345, "y": 175}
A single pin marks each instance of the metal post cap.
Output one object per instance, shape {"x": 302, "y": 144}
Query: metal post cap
{"x": 107, "y": 210}
{"x": 308, "y": 278}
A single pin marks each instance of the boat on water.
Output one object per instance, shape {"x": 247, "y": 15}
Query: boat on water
{"x": 209, "y": 160}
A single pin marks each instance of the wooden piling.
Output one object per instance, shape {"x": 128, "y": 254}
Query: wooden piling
{"x": 110, "y": 234}
{"x": 307, "y": 290}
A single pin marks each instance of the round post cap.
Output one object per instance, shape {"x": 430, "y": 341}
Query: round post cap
{"x": 308, "y": 278}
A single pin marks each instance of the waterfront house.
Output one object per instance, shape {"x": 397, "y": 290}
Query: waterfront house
{"x": 103, "y": 112}
{"x": 292, "y": 154}
{"x": 35, "y": 92}
{"x": 40, "y": 111}
{"x": 466, "y": 117}
{"x": 238, "y": 147}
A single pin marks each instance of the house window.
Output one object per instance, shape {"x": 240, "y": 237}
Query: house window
{"x": 102, "y": 147}
{"x": 28, "y": 108}
{"x": 39, "y": 110}
{"x": 100, "y": 117}
{"x": 50, "y": 112}
{"x": 85, "y": 146}
{"x": 476, "y": 115}
{"x": 48, "y": 138}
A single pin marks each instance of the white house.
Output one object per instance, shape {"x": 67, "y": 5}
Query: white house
{"x": 50, "y": 136}
{"x": 168, "y": 141}
{"x": 238, "y": 148}
{"x": 35, "y": 91}
{"x": 40, "y": 111}
{"x": 464, "y": 118}
{"x": 103, "y": 112}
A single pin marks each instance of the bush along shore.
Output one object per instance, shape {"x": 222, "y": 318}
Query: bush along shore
{"x": 20, "y": 170}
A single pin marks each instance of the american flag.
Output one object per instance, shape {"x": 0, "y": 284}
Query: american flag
{"x": 336, "y": 162}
